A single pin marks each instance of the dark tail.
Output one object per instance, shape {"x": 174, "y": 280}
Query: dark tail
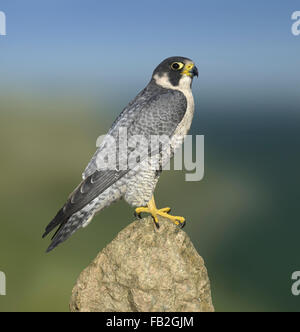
{"x": 67, "y": 226}
{"x": 59, "y": 219}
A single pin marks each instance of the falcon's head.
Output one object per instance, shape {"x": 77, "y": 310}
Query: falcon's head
{"x": 175, "y": 72}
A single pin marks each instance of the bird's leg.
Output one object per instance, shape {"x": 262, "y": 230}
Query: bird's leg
{"x": 164, "y": 212}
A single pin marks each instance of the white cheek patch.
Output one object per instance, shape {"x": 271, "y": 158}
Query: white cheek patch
{"x": 163, "y": 81}
{"x": 184, "y": 83}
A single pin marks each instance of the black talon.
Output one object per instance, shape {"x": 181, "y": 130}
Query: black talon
{"x": 156, "y": 223}
{"x": 181, "y": 225}
{"x": 137, "y": 215}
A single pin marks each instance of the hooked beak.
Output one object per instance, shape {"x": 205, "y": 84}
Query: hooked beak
{"x": 190, "y": 70}
{"x": 195, "y": 71}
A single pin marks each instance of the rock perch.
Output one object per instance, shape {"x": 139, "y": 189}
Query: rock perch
{"x": 145, "y": 269}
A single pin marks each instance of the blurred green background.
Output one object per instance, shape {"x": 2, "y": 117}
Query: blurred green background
{"x": 63, "y": 84}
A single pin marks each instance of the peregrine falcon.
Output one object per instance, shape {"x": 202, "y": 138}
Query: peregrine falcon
{"x": 165, "y": 107}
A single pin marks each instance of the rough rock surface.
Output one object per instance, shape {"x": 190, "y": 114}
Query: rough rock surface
{"x": 145, "y": 269}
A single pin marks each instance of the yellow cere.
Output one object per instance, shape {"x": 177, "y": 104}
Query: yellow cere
{"x": 187, "y": 69}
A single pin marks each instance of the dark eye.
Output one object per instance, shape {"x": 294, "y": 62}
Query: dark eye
{"x": 177, "y": 65}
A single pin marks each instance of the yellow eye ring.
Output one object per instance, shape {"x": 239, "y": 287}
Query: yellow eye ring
{"x": 177, "y": 65}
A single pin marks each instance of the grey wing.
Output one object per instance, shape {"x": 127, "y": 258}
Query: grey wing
{"x": 88, "y": 190}
{"x": 149, "y": 114}
{"x": 125, "y": 120}
{"x": 156, "y": 115}
{"x": 161, "y": 116}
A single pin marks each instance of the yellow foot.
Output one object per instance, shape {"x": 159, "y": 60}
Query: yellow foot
{"x": 151, "y": 208}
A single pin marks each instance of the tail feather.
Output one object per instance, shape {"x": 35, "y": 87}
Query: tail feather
{"x": 69, "y": 225}
{"x": 65, "y": 230}
{"x": 59, "y": 219}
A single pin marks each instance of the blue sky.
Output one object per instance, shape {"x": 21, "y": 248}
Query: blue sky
{"x": 238, "y": 45}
